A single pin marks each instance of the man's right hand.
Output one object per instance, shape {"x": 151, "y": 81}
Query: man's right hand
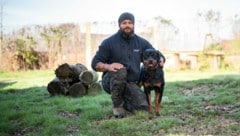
{"x": 114, "y": 67}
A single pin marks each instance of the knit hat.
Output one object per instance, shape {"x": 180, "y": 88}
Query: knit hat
{"x": 126, "y": 16}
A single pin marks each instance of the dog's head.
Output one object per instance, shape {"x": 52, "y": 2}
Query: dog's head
{"x": 150, "y": 58}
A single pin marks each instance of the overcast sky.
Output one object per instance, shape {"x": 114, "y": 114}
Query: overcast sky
{"x": 182, "y": 13}
{"x": 24, "y": 12}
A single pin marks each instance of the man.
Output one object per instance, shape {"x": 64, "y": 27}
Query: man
{"x": 119, "y": 58}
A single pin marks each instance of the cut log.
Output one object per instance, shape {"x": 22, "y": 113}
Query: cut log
{"x": 63, "y": 71}
{"x": 77, "y": 70}
{"x": 87, "y": 77}
{"x": 77, "y": 90}
{"x": 55, "y": 87}
{"x": 69, "y": 74}
{"x": 94, "y": 88}
{"x": 80, "y": 67}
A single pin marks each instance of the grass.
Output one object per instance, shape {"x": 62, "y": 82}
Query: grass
{"x": 194, "y": 103}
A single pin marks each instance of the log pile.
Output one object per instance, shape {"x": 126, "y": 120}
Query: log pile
{"x": 74, "y": 80}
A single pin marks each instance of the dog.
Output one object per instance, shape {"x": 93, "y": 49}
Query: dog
{"x": 152, "y": 77}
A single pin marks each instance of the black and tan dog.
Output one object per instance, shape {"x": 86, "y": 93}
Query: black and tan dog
{"x": 152, "y": 77}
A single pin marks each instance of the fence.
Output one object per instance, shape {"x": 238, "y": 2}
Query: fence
{"x": 77, "y": 43}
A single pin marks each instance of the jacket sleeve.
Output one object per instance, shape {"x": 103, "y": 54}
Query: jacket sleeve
{"x": 101, "y": 55}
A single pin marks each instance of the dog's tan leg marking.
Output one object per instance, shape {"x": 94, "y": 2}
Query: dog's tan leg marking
{"x": 157, "y": 104}
{"x": 158, "y": 84}
{"x": 149, "y": 103}
{"x": 156, "y": 100}
{"x": 149, "y": 98}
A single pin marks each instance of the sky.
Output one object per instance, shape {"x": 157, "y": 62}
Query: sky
{"x": 18, "y": 13}
{"x": 25, "y": 12}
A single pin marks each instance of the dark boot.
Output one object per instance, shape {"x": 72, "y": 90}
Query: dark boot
{"x": 118, "y": 112}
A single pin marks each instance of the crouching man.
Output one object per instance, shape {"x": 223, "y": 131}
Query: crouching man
{"x": 119, "y": 58}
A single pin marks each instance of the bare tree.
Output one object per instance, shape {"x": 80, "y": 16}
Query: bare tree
{"x": 212, "y": 18}
{"x": 236, "y": 26}
{"x": 164, "y": 33}
{"x": 24, "y": 44}
{"x": 53, "y": 36}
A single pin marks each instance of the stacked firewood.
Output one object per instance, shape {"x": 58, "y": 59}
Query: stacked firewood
{"x": 74, "y": 80}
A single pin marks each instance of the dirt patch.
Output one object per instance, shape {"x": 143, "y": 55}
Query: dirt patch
{"x": 217, "y": 126}
{"x": 223, "y": 109}
{"x": 71, "y": 129}
{"x": 68, "y": 114}
{"x": 23, "y": 131}
{"x": 198, "y": 89}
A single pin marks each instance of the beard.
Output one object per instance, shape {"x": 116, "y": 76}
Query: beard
{"x": 127, "y": 32}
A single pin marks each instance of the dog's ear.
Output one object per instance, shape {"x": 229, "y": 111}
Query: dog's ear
{"x": 158, "y": 55}
{"x": 161, "y": 56}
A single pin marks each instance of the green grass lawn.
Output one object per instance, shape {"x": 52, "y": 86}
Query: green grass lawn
{"x": 194, "y": 103}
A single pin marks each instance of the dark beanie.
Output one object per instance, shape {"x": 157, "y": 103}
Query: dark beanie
{"x": 126, "y": 16}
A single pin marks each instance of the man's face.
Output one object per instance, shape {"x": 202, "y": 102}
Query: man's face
{"x": 127, "y": 27}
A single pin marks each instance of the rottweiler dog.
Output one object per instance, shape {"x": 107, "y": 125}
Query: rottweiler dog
{"x": 152, "y": 77}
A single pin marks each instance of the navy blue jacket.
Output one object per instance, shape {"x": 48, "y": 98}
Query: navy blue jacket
{"x": 126, "y": 51}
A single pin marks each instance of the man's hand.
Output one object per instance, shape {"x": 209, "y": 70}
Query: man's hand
{"x": 108, "y": 67}
{"x": 113, "y": 67}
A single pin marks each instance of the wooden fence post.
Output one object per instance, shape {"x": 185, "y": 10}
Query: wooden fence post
{"x": 88, "y": 45}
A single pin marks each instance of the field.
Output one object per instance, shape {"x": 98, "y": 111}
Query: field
{"x": 194, "y": 103}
